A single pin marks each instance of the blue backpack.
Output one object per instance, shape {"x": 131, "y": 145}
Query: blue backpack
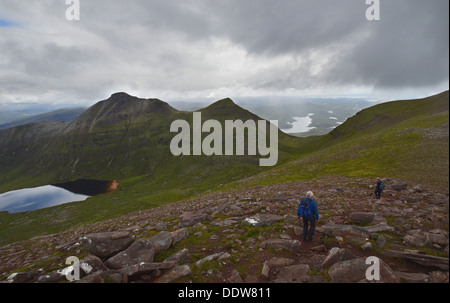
{"x": 305, "y": 209}
{"x": 382, "y": 186}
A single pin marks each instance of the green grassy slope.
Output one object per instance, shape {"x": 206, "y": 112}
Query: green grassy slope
{"x": 402, "y": 139}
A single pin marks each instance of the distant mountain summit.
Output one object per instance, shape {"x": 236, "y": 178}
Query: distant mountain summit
{"x": 118, "y": 108}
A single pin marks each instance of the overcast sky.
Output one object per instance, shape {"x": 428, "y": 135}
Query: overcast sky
{"x": 197, "y": 49}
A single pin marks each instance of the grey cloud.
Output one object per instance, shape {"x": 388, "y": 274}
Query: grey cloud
{"x": 157, "y": 46}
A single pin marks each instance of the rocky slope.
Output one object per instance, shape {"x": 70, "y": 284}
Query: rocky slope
{"x": 252, "y": 235}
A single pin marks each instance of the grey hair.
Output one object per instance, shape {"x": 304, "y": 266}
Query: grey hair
{"x": 309, "y": 194}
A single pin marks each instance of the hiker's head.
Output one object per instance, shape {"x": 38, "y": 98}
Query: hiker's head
{"x": 309, "y": 194}
{"x": 378, "y": 179}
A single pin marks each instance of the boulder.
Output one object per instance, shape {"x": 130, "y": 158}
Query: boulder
{"x": 353, "y": 271}
{"x": 294, "y": 274}
{"x": 140, "y": 251}
{"x": 190, "y": 219}
{"x": 182, "y": 255}
{"x": 291, "y": 245}
{"x": 212, "y": 257}
{"x": 174, "y": 274}
{"x": 437, "y": 236}
{"x": 23, "y": 277}
{"x": 350, "y": 232}
{"x": 362, "y": 217}
{"x": 278, "y": 262}
{"x": 416, "y": 240}
{"x": 179, "y": 235}
{"x": 399, "y": 185}
{"x": 162, "y": 241}
{"x": 105, "y": 245}
{"x": 55, "y": 276}
{"x": 422, "y": 259}
{"x": 265, "y": 270}
{"x": 235, "y": 277}
{"x": 262, "y": 220}
{"x": 337, "y": 254}
{"x": 380, "y": 227}
{"x": 91, "y": 264}
{"x": 414, "y": 277}
{"x": 145, "y": 268}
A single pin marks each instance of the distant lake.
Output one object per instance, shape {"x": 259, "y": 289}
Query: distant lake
{"x": 300, "y": 125}
{"x": 28, "y": 199}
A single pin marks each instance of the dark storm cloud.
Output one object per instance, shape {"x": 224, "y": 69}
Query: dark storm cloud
{"x": 195, "y": 48}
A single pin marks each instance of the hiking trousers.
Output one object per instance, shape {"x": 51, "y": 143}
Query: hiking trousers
{"x": 378, "y": 193}
{"x": 309, "y": 228}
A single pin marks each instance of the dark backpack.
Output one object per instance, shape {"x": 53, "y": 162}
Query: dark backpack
{"x": 382, "y": 186}
{"x": 305, "y": 209}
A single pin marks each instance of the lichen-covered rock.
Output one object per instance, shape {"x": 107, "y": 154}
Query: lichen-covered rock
{"x": 105, "y": 245}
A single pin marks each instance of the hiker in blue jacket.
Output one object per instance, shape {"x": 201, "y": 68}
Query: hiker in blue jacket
{"x": 379, "y": 188}
{"x": 307, "y": 209}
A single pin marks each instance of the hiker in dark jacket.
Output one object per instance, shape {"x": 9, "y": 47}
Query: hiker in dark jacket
{"x": 379, "y": 188}
{"x": 307, "y": 209}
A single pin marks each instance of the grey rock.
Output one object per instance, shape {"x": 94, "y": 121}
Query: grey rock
{"x": 367, "y": 246}
{"x": 179, "y": 235}
{"x": 174, "y": 274}
{"x": 23, "y": 277}
{"x": 422, "y": 259}
{"x": 189, "y": 219}
{"x": 105, "y": 245}
{"x": 161, "y": 226}
{"x": 209, "y": 259}
{"x": 399, "y": 185}
{"x": 416, "y": 240}
{"x": 182, "y": 255}
{"x": 140, "y": 251}
{"x": 162, "y": 241}
{"x": 414, "y": 277}
{"x": 378, "y": 228}
{"x": 346, "y": 231}
{"x": 91, "y": 264}
{"x": 362, "y": 217}
{"x": 294, "y": 274}
{"x": 437, "y": 237}
{"x": 235, "y": 277}
{"x": 353, "y": 271}
{"x": 144, "y": 268}
{"x": 265, "y": 270}
{"x": 337, "y": 254}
